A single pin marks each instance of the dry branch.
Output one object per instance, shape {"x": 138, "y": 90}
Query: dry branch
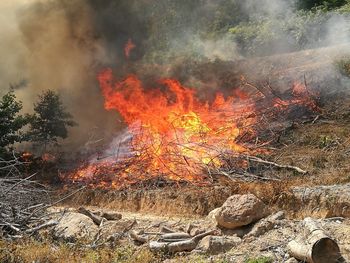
{"x": 179, "y": 244}
{"x": 165, "y": 229}
{"x": 136, "y": 237}
{"x": 179, "y": 235}
{"x": 23, "y": 202}
{"x": 280, "y": 166}
{"x": 42, "y": 226}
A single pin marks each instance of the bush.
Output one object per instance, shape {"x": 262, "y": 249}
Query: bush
{"x": 329, "y": 4}
{"x": 271, "y": 35}
{"x": 343, "y": 66}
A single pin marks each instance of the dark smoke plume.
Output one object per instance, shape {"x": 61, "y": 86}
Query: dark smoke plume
{"x": 63, "y": 44}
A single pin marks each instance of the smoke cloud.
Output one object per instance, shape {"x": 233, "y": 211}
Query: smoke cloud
{"x": 63, "y": 44}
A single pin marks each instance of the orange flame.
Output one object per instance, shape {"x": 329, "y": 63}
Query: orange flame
{"x": 173, "y": 133}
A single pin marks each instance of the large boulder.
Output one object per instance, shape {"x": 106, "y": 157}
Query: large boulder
{"x": 240, "y": 210}
{"x": 75, "y": 226}
{"x": 218, "y": 244}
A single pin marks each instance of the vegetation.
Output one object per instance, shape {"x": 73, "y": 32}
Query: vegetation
{"x": 48, "y": 123}
{"x": 47, "y": 251}
{"x": 257, "y": 28}
{"x": 343, "y": 65}
{"x": 50, "y": 120}
{"x": 272, "y": 35}
{"x": 11, "y": 122}
{"x": 329, "y": 4}
{"x": 260, "y": 260}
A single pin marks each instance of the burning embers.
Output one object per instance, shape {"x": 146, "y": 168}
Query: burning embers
{"x": 129, "y": 46}
{"x": 173, "y": 135}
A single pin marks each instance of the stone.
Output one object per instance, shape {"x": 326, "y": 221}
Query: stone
{"x": 212, "y": 215}
{"x": 218, "y": 244}
{"x": 240, "y": 210}
{"x": 75, "y": 226}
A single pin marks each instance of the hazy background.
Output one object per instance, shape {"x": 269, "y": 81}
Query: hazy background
{"x": 63, "y": 44}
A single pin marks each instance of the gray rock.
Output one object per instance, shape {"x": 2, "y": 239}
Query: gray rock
{"x": 218, "y": 244}
{"x": 240, "y": 210}
{"x": 75, "y": 226}
{"x": 212, "y": 215}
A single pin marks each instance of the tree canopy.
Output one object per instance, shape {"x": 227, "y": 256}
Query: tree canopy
{"x": 11, "y": 122}
{"x": 50, "y": 120}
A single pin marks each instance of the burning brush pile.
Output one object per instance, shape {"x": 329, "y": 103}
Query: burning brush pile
{"x": 174, "y": 135}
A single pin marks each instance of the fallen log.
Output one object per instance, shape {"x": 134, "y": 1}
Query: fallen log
{"x": 111, "y": 216}
{"x": 178, "y": 246}
{"x": 165, "y": 229}
{"x": 178, "y": 235}
{"x": 136, "y": 237}
{"x": 188, "y": 245}
{"x": 97, "y": 219}
{"x": 314, "y": 246}
{"x": 158, "y": 246}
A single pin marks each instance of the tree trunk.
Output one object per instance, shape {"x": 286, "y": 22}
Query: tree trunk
{"x": 314, "y": 246}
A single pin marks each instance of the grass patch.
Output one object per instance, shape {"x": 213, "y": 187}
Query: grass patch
{"x": 260, "y": 260}
{"x": 51, "y": 252}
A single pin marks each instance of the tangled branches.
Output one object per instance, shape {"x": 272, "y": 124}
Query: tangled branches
{"x": 20, "y": 203}
{"x": 21, "y": 199}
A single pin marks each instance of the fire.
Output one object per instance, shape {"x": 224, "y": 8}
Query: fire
{"x": 128, "y": 47}
{"x": 173, "y": 134}
{"x": 48, "y": 157}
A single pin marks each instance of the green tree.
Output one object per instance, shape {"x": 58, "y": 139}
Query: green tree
{"x": 50, "y": 120}
{"x": 329, "y": 4}
{"x": 11, "y": 122}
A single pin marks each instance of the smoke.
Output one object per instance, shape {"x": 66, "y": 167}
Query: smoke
{"x": 63, "y": 44}
{"x": 12, "y": 49}
{"x": 53, "y": 45}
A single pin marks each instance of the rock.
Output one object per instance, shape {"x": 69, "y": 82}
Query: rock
{"x": 239, "y": 231}
{"x": 212, "y": 215}
{"x": 75, "y": 226}
{"x": 218, "y": 244}
{"x": 266, "y": 224}
{"x": 240, "y": 210}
